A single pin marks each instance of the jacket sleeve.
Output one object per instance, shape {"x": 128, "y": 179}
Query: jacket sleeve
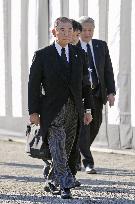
{"x": 86, "y": 87}
{"x": 108, "y": 72}
{"x": 34, "y": 84}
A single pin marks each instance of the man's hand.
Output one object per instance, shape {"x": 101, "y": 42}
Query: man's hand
{"x": 87, "y": 118}
{"x": 35, "y": 119}
{"x": 111, "y": 99}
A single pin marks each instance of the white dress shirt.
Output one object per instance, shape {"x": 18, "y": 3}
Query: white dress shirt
{"x": 58, "y": 48}
{"x": 84, "y": 47}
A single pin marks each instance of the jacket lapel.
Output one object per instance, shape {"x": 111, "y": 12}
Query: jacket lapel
{"x": 96, "y": 52}
{"x": 79, "y": 45}
{"x": 57, "y": 65}
{"x": 74, "y": 62}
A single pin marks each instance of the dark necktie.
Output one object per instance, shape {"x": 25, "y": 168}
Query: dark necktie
{"x": 67, "y": 69}
{"x": 63, "y": 55}
{"x": 92, "y": 67}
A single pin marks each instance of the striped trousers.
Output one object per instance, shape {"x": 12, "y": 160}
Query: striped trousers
{"x": 62, "y": 133}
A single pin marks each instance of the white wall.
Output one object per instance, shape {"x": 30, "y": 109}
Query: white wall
{"x": 25, "y": 27}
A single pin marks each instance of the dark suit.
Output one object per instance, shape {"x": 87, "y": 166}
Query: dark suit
{"x": 106, "y": 86}
{"x": 48, "y": 70}
{"x": 60, "y": 81}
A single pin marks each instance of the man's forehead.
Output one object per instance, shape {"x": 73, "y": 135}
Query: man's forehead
{"x": 87, "y": 25}
{"x": 64, "y": 25}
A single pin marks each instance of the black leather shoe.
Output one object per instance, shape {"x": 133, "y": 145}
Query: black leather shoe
{"x": 90, "y": 170}
{"x": 49, "y": 187}
{"x": 65, "y": 193}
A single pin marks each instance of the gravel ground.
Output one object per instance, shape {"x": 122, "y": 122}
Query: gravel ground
{"x": 21, "y": 179}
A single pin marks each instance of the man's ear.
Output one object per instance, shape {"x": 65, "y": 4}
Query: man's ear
{"x": 54, "y": 32}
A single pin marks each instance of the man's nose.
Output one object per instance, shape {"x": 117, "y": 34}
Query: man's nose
{"x": 66, "y": 33}
{"x": 87, "y": 33}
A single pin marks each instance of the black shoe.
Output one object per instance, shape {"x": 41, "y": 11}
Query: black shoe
{"x": 49, "y": 187}
{"x": 90, "y": 170}
{"x": 65, "y": 193}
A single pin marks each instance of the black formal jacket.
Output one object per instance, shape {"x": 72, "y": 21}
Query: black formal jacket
{"x": 49, "y": 70}
{"x": 104, "y": 68}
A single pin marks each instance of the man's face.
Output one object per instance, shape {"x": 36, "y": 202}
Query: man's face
{"x": 87, "y": 32}
{"x": 63, "y": 33}
{"x": 75, "y": 37}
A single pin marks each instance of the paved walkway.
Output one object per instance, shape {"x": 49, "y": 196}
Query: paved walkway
{"x": 21, "y": 179}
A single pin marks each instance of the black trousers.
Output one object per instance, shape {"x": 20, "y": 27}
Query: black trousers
{"x": 89, "y": 132}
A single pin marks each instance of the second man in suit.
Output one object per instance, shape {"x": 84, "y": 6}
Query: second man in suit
{"x": 103, "y": 86}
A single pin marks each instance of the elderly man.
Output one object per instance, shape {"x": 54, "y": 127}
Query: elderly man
{"x": 103, "y": 86}
{"x": 63, "y": 74}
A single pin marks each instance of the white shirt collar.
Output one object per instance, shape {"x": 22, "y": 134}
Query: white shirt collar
{"x": 58, "y": 48}
{"x": 84, "y": 44}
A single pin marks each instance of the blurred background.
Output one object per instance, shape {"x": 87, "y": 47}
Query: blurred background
{"x": 25, "y": 27}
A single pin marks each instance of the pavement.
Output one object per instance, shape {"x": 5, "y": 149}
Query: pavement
{"x": 21, "y": 179}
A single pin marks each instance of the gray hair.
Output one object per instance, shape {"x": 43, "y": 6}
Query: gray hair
{"x": 62, "y": 20}
{"x": 86, "y": 19}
